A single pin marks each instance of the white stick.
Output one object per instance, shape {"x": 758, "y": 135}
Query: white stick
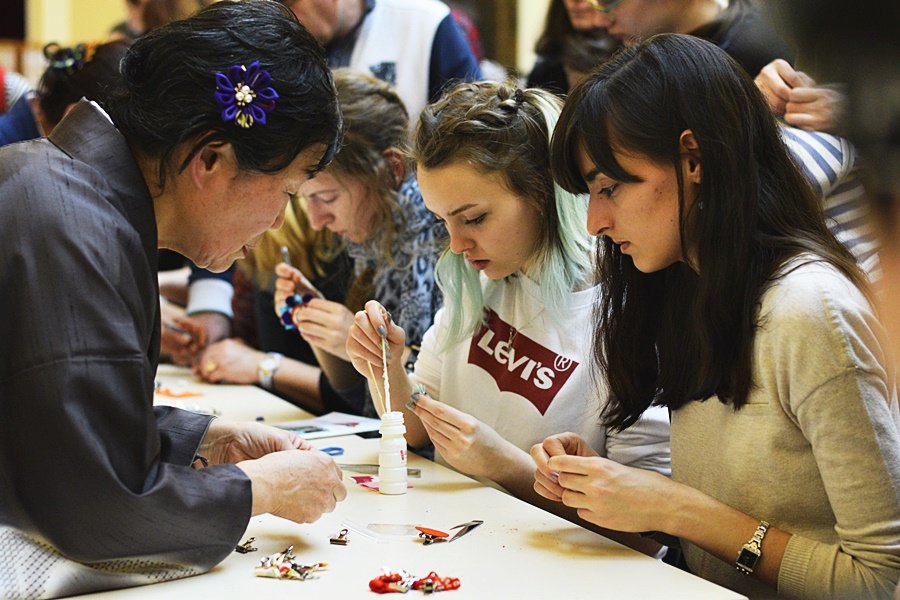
{"x": 384, "y": 374}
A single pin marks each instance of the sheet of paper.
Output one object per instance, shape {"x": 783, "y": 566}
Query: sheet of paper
{"x": 331, "y": 425}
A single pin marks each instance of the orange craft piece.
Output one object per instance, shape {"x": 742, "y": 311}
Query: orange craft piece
{"x": 432, "y": 532}
{"x": 173, "y": 393}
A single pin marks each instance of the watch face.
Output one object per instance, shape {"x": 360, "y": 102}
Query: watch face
{"x": 747, "y": 558}
{"x": 267, "y": 364}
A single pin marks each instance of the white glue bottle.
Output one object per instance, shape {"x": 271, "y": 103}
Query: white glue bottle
{"x": 392, "y": 454}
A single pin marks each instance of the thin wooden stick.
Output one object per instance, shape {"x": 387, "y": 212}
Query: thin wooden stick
{"x": 379, "y": 403}
{"x": 384, "y": 374}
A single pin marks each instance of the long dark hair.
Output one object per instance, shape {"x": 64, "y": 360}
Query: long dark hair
{"x": 678, "y": 334}
{"x": 557, "y": 28}
{"x": 170, "y": 83}
{"x": 560, "y": 41}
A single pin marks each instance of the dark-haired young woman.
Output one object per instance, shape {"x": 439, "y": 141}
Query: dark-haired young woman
{"x": 725, "y": 298}
{"x": 221, "y": 118}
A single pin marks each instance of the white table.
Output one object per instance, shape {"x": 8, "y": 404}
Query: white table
{"x": 519, "y": 552}
{"x": 236, "y": 402}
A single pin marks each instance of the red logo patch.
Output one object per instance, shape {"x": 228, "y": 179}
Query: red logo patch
{"x": 523, "y": 367}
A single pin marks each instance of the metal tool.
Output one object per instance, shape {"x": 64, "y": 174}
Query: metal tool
{"x": 433, "y": 536}
{"x": 373, "y": 470}
{"x": 341, "y": 538}
{"x": 464, "y": 529}
{"x": 246, "y": 547}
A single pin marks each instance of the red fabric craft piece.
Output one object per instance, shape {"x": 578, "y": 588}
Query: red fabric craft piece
{"x": 387, "y": 584}
{"x": 435, "y": 583}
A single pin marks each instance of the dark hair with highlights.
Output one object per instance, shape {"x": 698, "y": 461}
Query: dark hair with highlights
{"x": 170, "y": 83}
{"x": 677, "y": 334}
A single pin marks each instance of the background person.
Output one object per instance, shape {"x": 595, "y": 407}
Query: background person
{"x": 414, "y": 45}
{"x": 737, "y": 26}
{"x": 572, "y": 44}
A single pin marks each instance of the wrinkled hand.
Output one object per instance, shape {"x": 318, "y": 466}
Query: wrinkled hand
{"x": 364, "y": 341}
{"x": 466, "y": 443}
{"x": 300, "y": 486}
{"x": 228, "y": 442}
{"x": 184, "y": 348}
{"x": 561, "y": 444}
{"x": 612, "y": 495}
{"x": 326, "y": 325}
{"x": 229, "y": 361}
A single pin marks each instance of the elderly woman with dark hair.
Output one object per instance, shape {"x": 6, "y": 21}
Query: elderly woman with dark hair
{"x": 220, "y": 119}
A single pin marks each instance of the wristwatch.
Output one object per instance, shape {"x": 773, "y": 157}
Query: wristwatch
{"x": 266, "y": 368}
{"x": 752, "y": 550}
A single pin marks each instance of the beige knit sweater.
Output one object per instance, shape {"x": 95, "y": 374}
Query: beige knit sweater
{"x": 816, "y": 451}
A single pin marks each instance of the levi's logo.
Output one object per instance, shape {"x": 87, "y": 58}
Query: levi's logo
{"x": 523, "y": 367}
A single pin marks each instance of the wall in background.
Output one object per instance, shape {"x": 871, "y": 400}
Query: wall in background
{"x": 532, "y": 14}
{"x": 70, "y": 21}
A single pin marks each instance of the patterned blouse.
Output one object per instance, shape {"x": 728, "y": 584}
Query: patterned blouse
{"x": 405, "y": 285}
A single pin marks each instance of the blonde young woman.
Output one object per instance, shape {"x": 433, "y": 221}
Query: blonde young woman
{"x": 368, "y": 199}
{"x": 504, "y": 365}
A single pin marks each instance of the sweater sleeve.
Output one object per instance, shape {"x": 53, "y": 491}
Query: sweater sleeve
{"x": 852, "y": 424}
{"x": 857, "y": 448}
{"x": 452, "y": 60}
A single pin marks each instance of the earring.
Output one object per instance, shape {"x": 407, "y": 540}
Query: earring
{"x": 701, "y": 205}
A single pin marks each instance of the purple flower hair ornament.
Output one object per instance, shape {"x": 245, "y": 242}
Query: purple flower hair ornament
{"x": 245, "y": 94}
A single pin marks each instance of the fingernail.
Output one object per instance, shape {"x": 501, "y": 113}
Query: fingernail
{"x": 554, "y": 475}
{"x": 382, "y": 331}
{"x": 411, "y": 406}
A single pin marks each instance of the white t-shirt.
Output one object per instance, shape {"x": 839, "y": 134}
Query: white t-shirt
{"x": 539, "y": 384}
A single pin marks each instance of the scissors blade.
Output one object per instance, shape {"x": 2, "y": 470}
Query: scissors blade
{"x": 465, "y": 528}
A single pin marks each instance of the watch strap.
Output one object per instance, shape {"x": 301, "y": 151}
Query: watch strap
{"x": 750, "y": 552}
{"x": 266, "y": 369}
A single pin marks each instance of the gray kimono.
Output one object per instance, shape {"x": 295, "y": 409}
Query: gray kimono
{"x": 96, "y": 487}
